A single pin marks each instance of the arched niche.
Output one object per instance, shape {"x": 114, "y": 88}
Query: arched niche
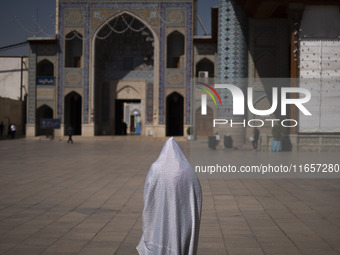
{"x": 73, "y": 112}
{"x": 43, "y": 112}
{"x": 205, "y": 65}
{"x": 175, "y": 49}
{"x": 174, "y": 114}
{"x": 45, "y": 68}
{"x": 73, "y": 49}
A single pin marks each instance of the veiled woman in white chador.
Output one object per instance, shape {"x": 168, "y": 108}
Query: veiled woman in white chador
{"x": 172, "y": 205}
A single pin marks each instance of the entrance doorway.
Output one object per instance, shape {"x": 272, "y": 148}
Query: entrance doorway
{"x": 174, "y": 115}
{"x": 124, "y": 118}
{"x": 73, "y": 113}
{"x": 132, "y": 124}
{"x": 43, "y": 112}
{"x": 204, "y": 123}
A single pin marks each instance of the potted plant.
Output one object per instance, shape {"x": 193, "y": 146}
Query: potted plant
{"x": 190, "y": 133}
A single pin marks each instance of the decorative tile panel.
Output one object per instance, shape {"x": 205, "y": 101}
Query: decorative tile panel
{"x": 175, "y": 17}
{"x": 161, "y": 102}
{"x": 74, "y": 17}
{"x": 45, "y": 93}
{"x": 189, "y": 63}
{"x": 73, "y": 77}
{"x": 175, "y": 78}
{"x": 32, "y": 85}
{"x": 60, "y": 65}
{"x": 132, "y": 75}
{"x": 149, "y": 103}
{"x": 86, "y": 92}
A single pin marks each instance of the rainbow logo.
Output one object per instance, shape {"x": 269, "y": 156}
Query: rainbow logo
{"x": 209, "y": 93}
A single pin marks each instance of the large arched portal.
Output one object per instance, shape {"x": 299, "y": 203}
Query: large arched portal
{"x": 124, "y": 50}
{"x": 72, "y": 116}
{"x": 174, "y": 114}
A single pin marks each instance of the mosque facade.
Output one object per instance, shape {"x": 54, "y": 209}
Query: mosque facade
{"x": 128, "y": 66}
{"x": 113, "y": 63}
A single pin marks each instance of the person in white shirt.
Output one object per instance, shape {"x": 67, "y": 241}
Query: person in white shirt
{"x": 13, "y": 130}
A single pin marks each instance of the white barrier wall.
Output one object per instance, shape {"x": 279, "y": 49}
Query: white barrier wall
{"x": 320, "y": 69}
{"x": 10, "y": 77}
{"x": 320, "y": 74}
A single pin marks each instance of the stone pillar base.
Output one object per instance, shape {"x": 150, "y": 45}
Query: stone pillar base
{"x": 157, "y": 131}
{"x": 294, "y": 141}
{"x": 87, "y": 130}
{"x": 59, "y": 132}
{"x": 30, "y": 130}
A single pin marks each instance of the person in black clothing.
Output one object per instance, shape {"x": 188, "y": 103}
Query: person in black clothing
{"x": 124, "y": 128}
{"x": 256, "y": 138}
{"x": 70, "y": 133}
{"x": 1, "y": 128}
{"x": 285, "y": 141}
{"x": 9, "y": 132}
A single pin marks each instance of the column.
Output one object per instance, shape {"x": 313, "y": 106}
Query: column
{"x": 232, "y": 64}
{"x": 232, "y": 40}
{"x": 294, "y": 15}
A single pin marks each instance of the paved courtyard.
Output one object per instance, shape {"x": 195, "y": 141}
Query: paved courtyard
{"x": 87, "y": 198}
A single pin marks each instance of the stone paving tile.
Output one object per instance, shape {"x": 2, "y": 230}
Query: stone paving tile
{"x": 98, "y": 250}
{"x": 244, "y": 250}
{"x": 87, "y": 198}
{"x": 67, "y": 245}
{"x": 26, "y": 249}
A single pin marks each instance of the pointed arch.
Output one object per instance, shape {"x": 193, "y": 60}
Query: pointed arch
{"x": 73, "y": 112}
{"x": 205, "y": 65}
{"x": 114, "y": 57}
{"x": 174, "y": 114}
{"x": 127, "y": 87}
{"x": 45, "y": 68}
{"x": 125, "y": 43}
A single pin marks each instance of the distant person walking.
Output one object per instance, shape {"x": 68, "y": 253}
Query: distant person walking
{"x": 9, "y": 133}
{"x": 70, "y": 133}
{"x": 1, "y": 128}
{"x": 124, "y": 128}
{"x": 256, "y": 138}
{"x": 13, "y": 130}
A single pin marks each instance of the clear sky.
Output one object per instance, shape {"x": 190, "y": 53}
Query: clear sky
{"x": 20, "y": 19}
